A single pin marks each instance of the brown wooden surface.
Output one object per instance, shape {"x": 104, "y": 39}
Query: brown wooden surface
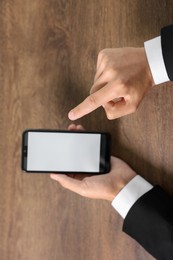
{"x": 48, "y": 52}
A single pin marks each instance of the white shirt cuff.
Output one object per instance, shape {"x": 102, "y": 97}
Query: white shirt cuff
{"x": 154, "y": 54}
{"x": 130, "y": 194}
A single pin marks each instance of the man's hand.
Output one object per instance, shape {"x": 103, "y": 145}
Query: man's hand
{"x": 122, "y": 78}
{"x": 105, "y": 186}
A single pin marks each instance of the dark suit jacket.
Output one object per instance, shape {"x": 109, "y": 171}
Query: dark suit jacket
{"x": 150, "y": 220}
{"x": 167, "y": 49}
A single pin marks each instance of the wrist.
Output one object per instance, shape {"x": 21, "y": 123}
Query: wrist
{"x": 120, "y": 183}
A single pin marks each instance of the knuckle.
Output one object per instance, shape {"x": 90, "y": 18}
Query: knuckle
{"x": 92, "y": 101}
{"x": 124, "y": 88}
{"x": 123, "y": 84}
{"x": 110, "y": 115}
{"x": 133, "y": 109}
{"x": 102, "y": 52}
{"x": 100, "y": 55}
{"x": 109, "y": 72}
{"x": 103, "y": 55}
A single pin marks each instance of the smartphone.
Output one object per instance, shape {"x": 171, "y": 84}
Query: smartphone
{"x": 45, "y": 151}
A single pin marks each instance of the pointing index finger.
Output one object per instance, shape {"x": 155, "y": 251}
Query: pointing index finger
{"x": 92, "y": 102}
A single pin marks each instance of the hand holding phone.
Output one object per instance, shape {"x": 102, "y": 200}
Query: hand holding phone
{"x": 46, "y": 151}
{"x": 105, "y": 186}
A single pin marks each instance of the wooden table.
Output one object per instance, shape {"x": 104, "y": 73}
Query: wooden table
{"x": 48, "y": 53}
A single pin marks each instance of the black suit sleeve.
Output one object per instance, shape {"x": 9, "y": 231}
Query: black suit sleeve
{"x": 167, "y": 49}
{"x": 150, "y": 223}
{"x": 150, "y": 220}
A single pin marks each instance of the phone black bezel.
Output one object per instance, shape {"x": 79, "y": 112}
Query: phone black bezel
{"x": 105, "y": 150}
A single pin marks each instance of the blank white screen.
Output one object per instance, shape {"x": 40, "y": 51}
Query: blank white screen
{"x": 63, "y": 152}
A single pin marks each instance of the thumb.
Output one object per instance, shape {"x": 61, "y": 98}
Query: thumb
{"x": 68, "y": 182}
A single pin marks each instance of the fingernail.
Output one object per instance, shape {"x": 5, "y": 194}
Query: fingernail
{"x": 71, "y": 115}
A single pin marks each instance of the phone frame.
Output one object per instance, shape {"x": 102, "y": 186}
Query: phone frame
{"x": 105, "y": 150}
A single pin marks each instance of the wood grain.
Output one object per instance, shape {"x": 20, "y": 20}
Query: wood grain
{"x": 48, "y": 52}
